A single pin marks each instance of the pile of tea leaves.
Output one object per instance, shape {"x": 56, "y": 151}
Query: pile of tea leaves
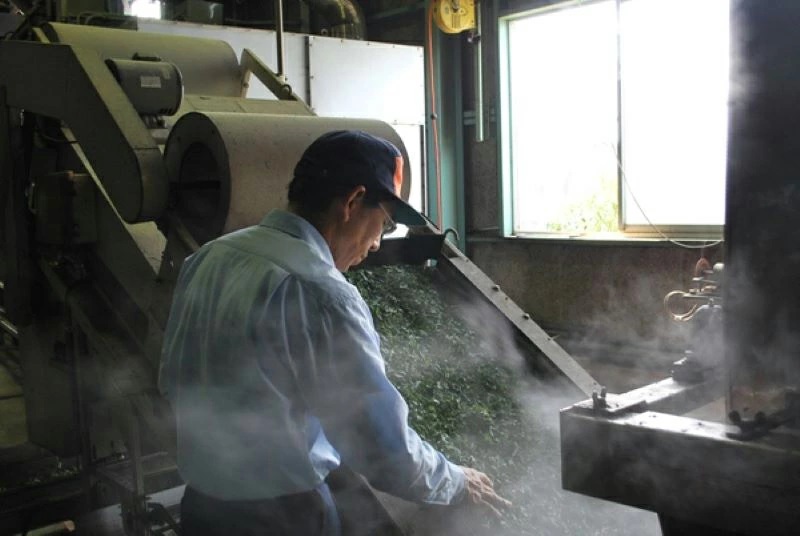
{"x": 480, "y": 409}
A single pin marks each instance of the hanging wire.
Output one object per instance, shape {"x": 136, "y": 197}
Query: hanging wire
{"x": 617, "y": 152}
{"x": 684, "y": 245}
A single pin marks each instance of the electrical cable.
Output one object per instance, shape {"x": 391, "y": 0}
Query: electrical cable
{"x": 434, "y": 118}
{"x": 619, "y": 162}
{"x": 646, "y": 217}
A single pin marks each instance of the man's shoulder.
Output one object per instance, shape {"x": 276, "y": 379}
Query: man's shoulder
{"x": 272, "y": 246}
{"x": 295, "y": 258}
{"x": 330, "y": 288}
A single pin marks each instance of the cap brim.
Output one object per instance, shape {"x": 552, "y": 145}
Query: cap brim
{"x": 405, "y": 213}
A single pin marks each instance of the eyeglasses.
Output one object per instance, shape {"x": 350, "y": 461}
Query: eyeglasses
{"x": 389, "y": 226}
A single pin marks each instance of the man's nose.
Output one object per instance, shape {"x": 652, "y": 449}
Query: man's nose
{"x": 376, "y": 244}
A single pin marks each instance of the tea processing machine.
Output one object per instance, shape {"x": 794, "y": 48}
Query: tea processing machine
{"x": 733, "y": 468}
{"x": 120, "y": 153}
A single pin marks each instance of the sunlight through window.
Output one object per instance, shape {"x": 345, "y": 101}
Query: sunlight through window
{"x": 587, "y": 83}
{"x": 146, "y": 9}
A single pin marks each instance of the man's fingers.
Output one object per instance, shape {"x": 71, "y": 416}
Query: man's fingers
{"x": 497, "y": 499}
{"x": 487, "y": 496}
{"x": 481, "y": 491}
{"x": 492, "y": 496}
{"x": 494, "y": 510}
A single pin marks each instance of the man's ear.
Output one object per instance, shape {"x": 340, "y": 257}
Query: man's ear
{"x": 353, "y": 201}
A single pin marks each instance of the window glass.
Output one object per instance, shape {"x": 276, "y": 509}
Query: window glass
{"x": 580, "y": 79}
{"x": 146, "y": 9}
{"x": 563, "y": 109}
{"x": 674, "y": 59}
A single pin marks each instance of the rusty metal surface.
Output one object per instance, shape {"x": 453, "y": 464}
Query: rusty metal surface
{"x": 667, "y": 396}
{"x": 685, "y": 468}
{"x": 762, "y": 228}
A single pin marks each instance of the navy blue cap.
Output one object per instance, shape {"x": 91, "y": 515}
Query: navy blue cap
{"x": 358, "y": 158}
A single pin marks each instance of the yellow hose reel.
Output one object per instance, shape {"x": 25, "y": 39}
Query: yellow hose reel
{"x": 454, "y": 16}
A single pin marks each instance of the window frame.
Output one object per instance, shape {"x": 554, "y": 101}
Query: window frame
{"x": 625, "y": 231}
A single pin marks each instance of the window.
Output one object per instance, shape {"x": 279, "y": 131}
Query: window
{"x": 147, "y": 9}
{"x": 615, "y": 118}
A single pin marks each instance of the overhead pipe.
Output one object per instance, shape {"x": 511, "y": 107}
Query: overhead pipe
{"x": 477, "y": 39}
{"x": 344, "y": 17}
{"x": 7, "y": 326}
{"x": 279, "y": 38}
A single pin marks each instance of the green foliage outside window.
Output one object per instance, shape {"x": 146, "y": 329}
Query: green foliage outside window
{"x": 597, "y": 212}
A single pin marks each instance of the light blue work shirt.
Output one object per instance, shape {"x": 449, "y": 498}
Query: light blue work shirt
{"x": 274, "y": 370}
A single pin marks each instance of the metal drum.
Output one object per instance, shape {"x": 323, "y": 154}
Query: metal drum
{"x": 227, "y": 170}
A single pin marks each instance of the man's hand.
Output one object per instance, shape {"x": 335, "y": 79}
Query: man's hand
{"x": 480, "y": 490}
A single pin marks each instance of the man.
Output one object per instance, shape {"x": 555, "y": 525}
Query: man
{"x": 273, "y": 366}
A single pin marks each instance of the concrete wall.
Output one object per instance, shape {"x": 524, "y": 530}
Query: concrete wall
{"x": 598, "y": 292}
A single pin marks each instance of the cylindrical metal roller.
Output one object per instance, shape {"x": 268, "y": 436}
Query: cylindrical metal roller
{"x": 227, "y": 170}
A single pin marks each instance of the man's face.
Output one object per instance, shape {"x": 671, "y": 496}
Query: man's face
{"x": 360, "y": 233}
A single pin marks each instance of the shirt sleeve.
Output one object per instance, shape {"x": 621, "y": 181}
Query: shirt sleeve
{"x": 342, "y": 375}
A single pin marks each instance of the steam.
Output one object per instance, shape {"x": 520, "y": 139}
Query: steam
{"x": 532, "y": 478}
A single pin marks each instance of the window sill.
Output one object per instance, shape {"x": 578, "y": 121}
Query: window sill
{"x": 599, "y": 239}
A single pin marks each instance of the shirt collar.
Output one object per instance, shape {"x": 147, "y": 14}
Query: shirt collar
{"x": 294, "y": 225}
